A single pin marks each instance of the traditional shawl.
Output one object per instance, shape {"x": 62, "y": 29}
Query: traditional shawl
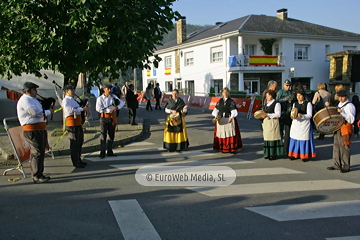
{"x": 177, "y": 106}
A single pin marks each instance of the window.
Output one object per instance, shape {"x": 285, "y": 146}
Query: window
{"x": 302, "y": 52}
{"x": 349, "y": 47}
{"x": 190, "y": 87}
{"x": 178, "y": 85}
{"x": 252, "y": 86}
{"x": 304, "y": 81}
{"x": 216, "y": 54}
{"x": 250, "y": 49}
{"x": 168, "y": 63}
{"x": 189, "y": 59}
{"x": 168, "y": 86}
{"x": 276, "y": 50}
{"x": 327, "y": 51}
{"x": 217, "y": 84}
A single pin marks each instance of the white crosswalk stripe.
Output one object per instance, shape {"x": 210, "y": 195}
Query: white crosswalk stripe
{"x": 309, "y": 210}
{"x": 132, "y": 220}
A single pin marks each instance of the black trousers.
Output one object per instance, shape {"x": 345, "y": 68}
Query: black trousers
{"x": 37, "y": 140}
{"x": 148, "y": 105}
{"x": 107, "y": 130}
{"x": 157, "y": 105}
{"x": 76, "y": 136}
{"x": 132, "y": 115}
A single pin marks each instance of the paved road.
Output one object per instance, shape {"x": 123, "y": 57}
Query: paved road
{"x": 279, "y": 199}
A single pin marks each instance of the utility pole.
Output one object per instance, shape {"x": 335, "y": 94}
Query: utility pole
{"x": 135, "y": 77}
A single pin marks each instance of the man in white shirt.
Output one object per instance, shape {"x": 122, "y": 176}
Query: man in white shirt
{"x": 342, "y": 138}
{"x": 106, "y": 105}
{"x": 32, "y": 118}
{"x": 73, "y": 122}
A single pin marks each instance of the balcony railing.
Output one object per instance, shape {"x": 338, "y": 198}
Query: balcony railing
{"x": 250, "y": 60}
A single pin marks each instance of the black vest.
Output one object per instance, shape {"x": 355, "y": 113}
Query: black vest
{"x": 271, "y": 108}
{"x": 301, "y": 107}
{"x": 226, "y": 107}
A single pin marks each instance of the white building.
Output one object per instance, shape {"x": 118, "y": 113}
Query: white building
{"x": 230, "y": 55}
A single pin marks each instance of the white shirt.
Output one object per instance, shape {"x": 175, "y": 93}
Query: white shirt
{"x": 29, "y": 110}
{"x": 277, "y": 110}
{"x": 70, "y": 106}
{"x": 233, "y": 112}
{"x": 167, "y": 110}
{"x": 348, "y": 112}
{"x": 105, "y": 104}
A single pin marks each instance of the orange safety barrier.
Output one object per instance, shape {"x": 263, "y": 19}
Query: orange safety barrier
{"x": 196, "y": 101}
{"x": 185, "y": 98}
{"x": 242, "y": 104}
{"x": 257, "y": 104}
{"x": 165, "y": 98}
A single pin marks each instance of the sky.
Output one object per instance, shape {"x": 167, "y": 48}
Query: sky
{"x": 339, "y": 14}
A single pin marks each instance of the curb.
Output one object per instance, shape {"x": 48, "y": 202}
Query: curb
{"x": 94, "y": 148}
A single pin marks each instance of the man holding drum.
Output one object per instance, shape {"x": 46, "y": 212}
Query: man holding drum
{"x": 342, "y": 138}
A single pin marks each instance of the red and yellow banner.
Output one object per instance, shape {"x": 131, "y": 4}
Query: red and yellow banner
{"x": 167, "y": 71}
{"x": 263, "y": 60}
{"x": 148, "y": 73}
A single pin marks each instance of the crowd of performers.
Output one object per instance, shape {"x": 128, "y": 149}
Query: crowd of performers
{"x": 282, "y": 135}
{"x": 296, "y": 132}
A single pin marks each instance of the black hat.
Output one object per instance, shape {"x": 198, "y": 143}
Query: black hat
{"x": 106, "y": 85}
{"x": 29, "y": 85}
{"x": 287, "y": 81}
{"x": 67, "y": 87}
{"x": 342, "y": 93}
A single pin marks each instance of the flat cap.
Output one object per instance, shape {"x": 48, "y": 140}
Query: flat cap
{"x": 342, "y": 93}
{"x": 29, "y": 85}
{"x": 106, "y": 85}
{"x": 67, "y": 87}
{"x": 287, "y": 81}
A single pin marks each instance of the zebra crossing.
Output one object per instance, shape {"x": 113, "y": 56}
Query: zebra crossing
{"x": 281, "y": 213}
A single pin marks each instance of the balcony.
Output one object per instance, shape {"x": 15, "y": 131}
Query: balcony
{"x": 257, "y": 63}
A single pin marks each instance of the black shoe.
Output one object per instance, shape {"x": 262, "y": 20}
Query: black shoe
{"x": 111, "y": 155}
{"x": 134, "y": 124}
{"x": 344, "y": 171}
{"x": 305, "y": 160}
{"x": 83, "y": 163}
{"x": 292, "y": 158}
{"x": 79, "y": 165}
{"x": 159, "y": 108}
{"x": 332, "y": 168}
{"x": 102, "y": 156}
{"x": 42, "y": 179}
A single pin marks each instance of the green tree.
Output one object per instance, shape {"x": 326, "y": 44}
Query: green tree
{"x": 103, "y": 37}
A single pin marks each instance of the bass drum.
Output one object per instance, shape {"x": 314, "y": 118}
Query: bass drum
{"x": 328, "y": 120}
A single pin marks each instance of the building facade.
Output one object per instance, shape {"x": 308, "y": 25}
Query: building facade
{"x": 245, "y": 53}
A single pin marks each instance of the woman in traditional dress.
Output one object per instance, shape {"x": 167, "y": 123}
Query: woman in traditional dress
{"x": 227, "y": 138}
{"x": 301, "y": 134}
{"x": 273, "y": 145}
{"x": 175, "y": 137}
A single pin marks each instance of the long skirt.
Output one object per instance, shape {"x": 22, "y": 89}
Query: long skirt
{"x": 303, "y": 149}
{"x": 175, "y": 138}
{"x": 273, "y": 148}
{"x": 228, "y": 144}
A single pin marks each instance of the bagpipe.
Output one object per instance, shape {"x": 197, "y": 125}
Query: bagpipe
{"x": 46, "y": 103}
{"x": 115, "y": 102}
{"x": 81, "y": 101}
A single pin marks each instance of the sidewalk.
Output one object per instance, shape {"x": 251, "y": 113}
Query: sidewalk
{"x": 126, "y": 134}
